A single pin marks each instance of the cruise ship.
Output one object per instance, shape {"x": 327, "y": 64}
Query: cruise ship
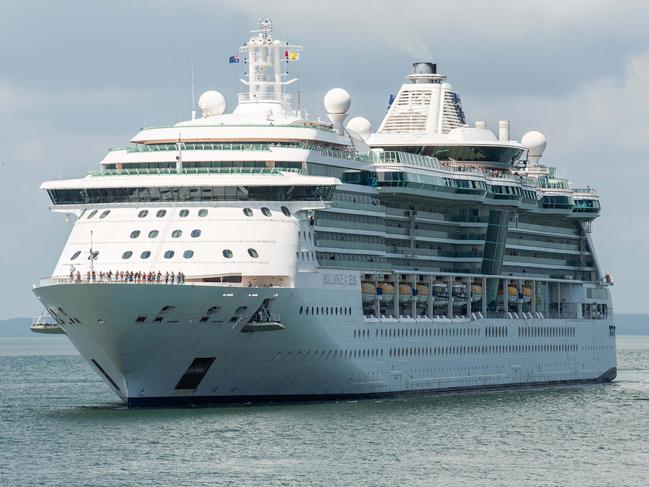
{"x": 260, "y": 254}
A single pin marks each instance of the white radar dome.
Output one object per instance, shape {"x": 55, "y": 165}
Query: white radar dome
{"x": 361, "y": 126}
{"x": 211, "y": 103}
{"x": 535, "y": 142}
{"x": 337, "y": 101}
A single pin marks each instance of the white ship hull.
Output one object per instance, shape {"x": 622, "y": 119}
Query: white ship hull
{"x": 331, "y": 355}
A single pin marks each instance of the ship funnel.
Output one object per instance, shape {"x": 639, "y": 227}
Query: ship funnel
{"x": 425, "y": 69}
{"x": 503, "y": 130}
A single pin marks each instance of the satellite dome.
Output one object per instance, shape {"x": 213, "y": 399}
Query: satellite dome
{"x": 361, "y": 126}
{"x": 211, "y": 103}
{"x": 535, "y": 143}
{"x": 337, "y": 101}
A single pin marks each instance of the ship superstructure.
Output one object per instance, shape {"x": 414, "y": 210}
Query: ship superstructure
{"x": 260, "y": 255}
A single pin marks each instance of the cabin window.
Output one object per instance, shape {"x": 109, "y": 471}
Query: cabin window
{"x": 188, "y": 254}
{"x": 183, "y": 213}
{"x": 104, "y": 214}
{"x": 75, "y": 255}
{"x": 91, "y": 214}
{"x": 202, "y": 212}
{"x": 253, "y": 253}
{"x": 145, "y": 255}
{"x": 153, "y": 234}
{"x": 168, "y": 254}
{"x": 161, "y": 213}
{"x": 143, "y": 213}
{"x": 286, "y": 211}
{"x": 266, "y": 211}
{"x": 196, "y": 233}
{"x": 127, "y": 254}
{"x": 176, "y": 233}
{"x": 227, "y": 253}
{"x": 135, "y": 234}
{"x": 247, "y": 211}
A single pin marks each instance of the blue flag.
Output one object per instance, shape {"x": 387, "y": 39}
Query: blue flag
{"x": 234, "y": 59}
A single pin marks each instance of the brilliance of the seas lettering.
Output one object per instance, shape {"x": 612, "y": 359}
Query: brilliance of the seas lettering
{"x": 340, "y": 279}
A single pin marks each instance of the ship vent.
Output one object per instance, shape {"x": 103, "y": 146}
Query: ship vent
{"x": 453, "y": 115}
{"x": 410, "y": 112}
{"x": 195, "y": 373}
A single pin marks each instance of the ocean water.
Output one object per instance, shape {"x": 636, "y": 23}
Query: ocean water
{"x": 60, "y": 425}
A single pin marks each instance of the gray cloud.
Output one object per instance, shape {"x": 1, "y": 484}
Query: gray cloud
{"x": 78, "y": 78}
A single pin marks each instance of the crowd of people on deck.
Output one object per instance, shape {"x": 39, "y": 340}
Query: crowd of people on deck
{"x": 129, "y": 276}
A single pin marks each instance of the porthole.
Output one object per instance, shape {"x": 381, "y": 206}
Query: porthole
{"x": 286, "y": 211}
{"x": 247, "y": 211}
{"x": 91, "y": 214}
{"x": 202, "y": 212}
{"x": 143, "y": 213}
{"x": 188, "y": 254}
{"x": 196, "y": 233}
{"x": 75, "y": 255}
{"x": 161, "y": 213}
{"x": 127, "y": 254}
{"x": 145, "y": 255}
{"x": 253, "y": 253}
{"x": 266, "y": 211}
{"x": 168, "y": 254}
{"x": 104, "y": 214}
{"x": 183, "y": 213}
{"x": 135, "y": 234}
{"x": 153, "y": 234}
{"x": 227, "y": 253}
{"x": 176, "y": 233}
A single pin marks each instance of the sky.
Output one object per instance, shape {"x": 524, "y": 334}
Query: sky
{"x": 79, "y": 77}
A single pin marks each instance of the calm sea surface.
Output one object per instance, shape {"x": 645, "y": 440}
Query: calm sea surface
{"x": 60, "y": 425}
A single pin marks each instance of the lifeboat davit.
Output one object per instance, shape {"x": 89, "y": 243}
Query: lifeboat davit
{"x": 440, "y": 293}
{"x": 512, "y": 294}
{"x": 476, "y": 292}
{"x": 459, "y": 293}
{"x": 405, "y": 293}
{"x": 423, "y": 293}
{"x": 527, "y": 293}
{"x": 385, "y": 292}
{"x": 368, "y": 292}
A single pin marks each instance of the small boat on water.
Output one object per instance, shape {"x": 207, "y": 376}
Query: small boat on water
{"x": 46, "y": 324}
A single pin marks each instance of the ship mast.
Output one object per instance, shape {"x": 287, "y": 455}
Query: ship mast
{"x": 266, "y": 58}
